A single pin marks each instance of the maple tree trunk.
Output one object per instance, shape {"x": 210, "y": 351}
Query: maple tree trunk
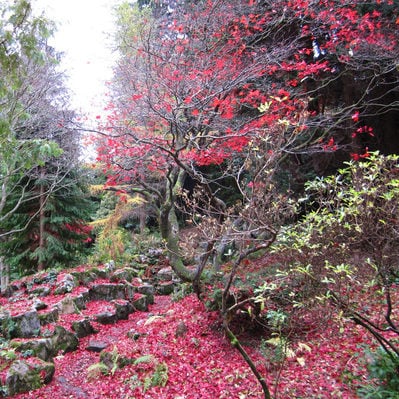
{"x": 236, "y": 344}
{"x": 169, "y": 227}
{"x": 170, "y": 232}
{"x": 227, "y": 313}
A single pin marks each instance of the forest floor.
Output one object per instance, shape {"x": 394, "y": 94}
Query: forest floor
{"x": 181, "y": 349}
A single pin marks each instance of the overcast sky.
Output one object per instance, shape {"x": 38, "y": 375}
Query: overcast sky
{"x": 84, "y": 34}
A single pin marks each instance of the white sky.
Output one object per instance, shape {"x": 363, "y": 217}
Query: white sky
{"x": 84, "y": 35}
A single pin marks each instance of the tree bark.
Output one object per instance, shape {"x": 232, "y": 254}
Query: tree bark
{"x": 4, "y": 275}
{"x": 42, "y": 240}
{"x": 169, "y": 226}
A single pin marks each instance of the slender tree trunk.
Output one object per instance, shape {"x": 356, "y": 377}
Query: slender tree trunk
{"x": 227, "y": 312}
{"x": 236, "y": 344}
{"x": 4, "y": 274}
{"x": 42, "y": 240}
{"x": 142, "y": 218}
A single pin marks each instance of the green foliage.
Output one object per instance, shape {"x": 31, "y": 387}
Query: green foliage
{"x": 181, "y": 291}
{"x": 66, "y": 210}
{"x": 114, "y": 241}
{"x": 111, "y": 245}
{"x": 21, "y": 51}
{"x": 96, "y": 370}
{"x": 144, "y": 359}
{"x": 109, "y": 363}
{"x": 384, "y": 370}
{"x": 277, "y": 348}
{"x": 159, "y": 378}
{"x": 277, "y": 320}
{"x": 349, "y": 239}
{"x": 355, "y": 212}
{"x": 9, "y": 327}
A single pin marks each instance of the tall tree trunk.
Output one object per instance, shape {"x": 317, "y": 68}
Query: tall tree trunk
{"x": 42, "y": 240}
{"x": 4, "y": 274}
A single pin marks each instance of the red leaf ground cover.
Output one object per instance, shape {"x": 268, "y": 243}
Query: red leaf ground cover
{"x": 201, "y": 363}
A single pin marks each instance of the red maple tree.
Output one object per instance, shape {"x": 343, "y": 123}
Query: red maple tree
{"x": 219, "y": 92}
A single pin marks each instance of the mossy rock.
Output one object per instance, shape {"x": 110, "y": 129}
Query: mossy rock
{"x": 67, "y": 284}
{"x": 24, "y": 325}
{"x": 28, "y": 375}
{"x": 140, "y": 302}
{"x": 165, "y": 288}
{"x": 40, "y": 291}
{"x": 67, "y": 306}
{"x": 85, "y": 277}
{"x": 49, "y": 317}
{"x": 81, "y": 300}
{"x": 100, "y": 273}
{"x": 123, "y": 309}
{"x": 64, "y": 340}
{"x": 11, "y": 289}
{"x": 113, "y": 360}
{"x": 107, "y": 292}
{"x": 126, "y": 274}
{"x": 83, "y": 328}
{"x": 148, "y": 290}
{"x": 42, "y": 348}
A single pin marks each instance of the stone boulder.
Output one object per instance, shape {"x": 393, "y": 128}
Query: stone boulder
{"x": 123, "y": 309}
{"x": 43, "y": 348}
{"x": 165, "y": 274}
{"x": 99, "y": 272}
{"x": 165, "y": 288}
{"x": 40, "y": 291}
{"x": 107, "y": 292}
{"x": 64, "y": 340}
{"x": 66, "y": 284}
{"x": 134, "y": 335}
{"x": 130, "y": 290}
{"x": 148, "y": 290}
{"x": 106, "y": 318}
{"x": 10, "y": 290}
{"x": 67, "y": 306}
{"x": 140, "y": 302}
{"x": 49, "y": 317}
{"x": 84, "y": 277}
{"x": 24, "y": 325}
{"x": 81, "y": 300}
{"x": 110, "y": 266}
{"x": 83, "y": 328}
{"x": 27, "y": 375}
{"x": 39, "y": 305}
{"x": 125, "y": 274}
{"x": 96, "y": 346}
{"x": 113, "y": 360}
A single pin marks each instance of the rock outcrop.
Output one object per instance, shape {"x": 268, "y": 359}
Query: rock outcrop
{"x": 36, "y": 335}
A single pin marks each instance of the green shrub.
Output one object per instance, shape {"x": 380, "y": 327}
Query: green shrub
{"x": 350, "y": 237}
{"x": 384, "y": 371}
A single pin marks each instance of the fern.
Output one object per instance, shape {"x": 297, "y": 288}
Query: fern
{"x": 96, "y": 370}
{"x": 159, "y": 378}
{"x": 144, "y": 359}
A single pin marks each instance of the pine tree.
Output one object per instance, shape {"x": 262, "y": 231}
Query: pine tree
{"x": 57, "y": 233}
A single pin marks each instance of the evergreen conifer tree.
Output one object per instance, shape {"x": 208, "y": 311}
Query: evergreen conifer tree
{"x": 57, "y": 233}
